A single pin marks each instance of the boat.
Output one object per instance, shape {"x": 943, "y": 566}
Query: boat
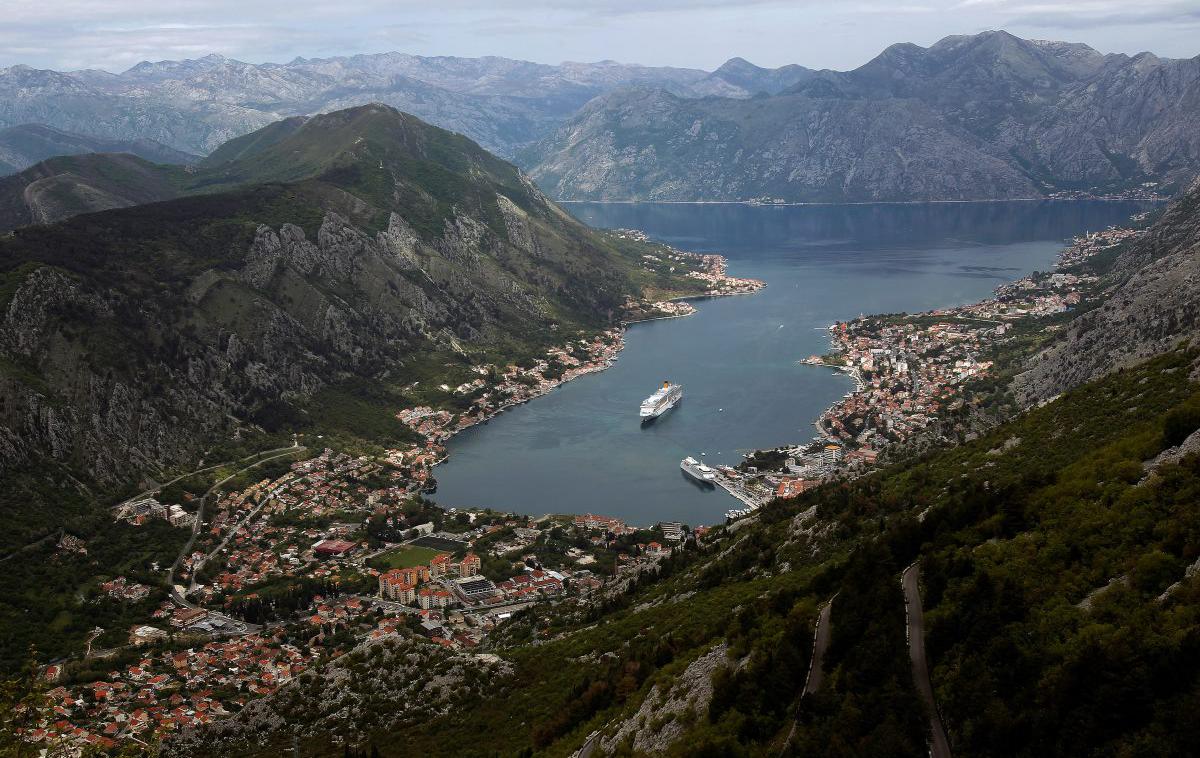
{"x": 661, "y": 401}
{"x": 698, "y": 471}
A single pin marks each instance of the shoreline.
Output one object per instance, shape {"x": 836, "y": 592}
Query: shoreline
{"x": 618, "y": 345}
{"x": 1035, "y": 295}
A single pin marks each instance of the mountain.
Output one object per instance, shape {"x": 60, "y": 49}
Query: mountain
{"x": 972, "y": 117}
{"x": 197, "y": 105}
{"x": 738, "y": 77}
{"x": 1048, "y": 568}
{"x": 67, "y": 186}
{"x": 653, "y": 145}
{"x": 27, "y": 144}
{"x": 361, "y": 252}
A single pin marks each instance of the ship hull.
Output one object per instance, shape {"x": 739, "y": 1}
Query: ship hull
{"x": 698, "y": 472}
{"x": 660, "y": 402}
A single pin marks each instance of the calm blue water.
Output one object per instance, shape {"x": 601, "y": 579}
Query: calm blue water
{"x": 581, "y": 448}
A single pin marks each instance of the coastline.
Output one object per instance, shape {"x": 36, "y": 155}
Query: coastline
{"x": 895, "y": 352}
{"x": 717, "y": 276}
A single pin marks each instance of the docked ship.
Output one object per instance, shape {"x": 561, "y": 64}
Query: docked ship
{"x": 698, "y": 471}
{"x": 661, "y": 401}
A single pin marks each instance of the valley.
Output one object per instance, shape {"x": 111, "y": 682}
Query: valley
{"x": 322, "y": 417}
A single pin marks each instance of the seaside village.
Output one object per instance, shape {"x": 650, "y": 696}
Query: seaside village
{"x": 298, "y": 567}
{"x": 906, "y": 371}
{"x": 293, "y": 570}
{"x": 301, "y": 565}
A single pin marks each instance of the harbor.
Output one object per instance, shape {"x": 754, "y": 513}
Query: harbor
{"x": 581, "y": 447}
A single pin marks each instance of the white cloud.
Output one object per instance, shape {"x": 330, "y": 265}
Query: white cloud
{"x": 114, "y": 34}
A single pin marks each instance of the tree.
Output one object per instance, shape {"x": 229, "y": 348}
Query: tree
{"x": 23, "y": 706}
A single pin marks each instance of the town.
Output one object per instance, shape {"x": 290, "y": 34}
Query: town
{"x": 297, "y": 567}
{"x": 908, "y": 371}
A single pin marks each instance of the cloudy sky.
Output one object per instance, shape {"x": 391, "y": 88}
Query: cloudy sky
{"x": 115, "y": 34}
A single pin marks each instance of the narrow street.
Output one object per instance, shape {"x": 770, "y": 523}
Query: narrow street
{"x": 910, "y": 580}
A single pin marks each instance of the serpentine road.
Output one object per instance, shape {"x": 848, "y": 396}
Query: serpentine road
{"x": 816, "y": 668}
{"x": 940, "y": 747}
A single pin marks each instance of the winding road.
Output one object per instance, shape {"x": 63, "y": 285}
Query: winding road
{"x": 816, "y": 668}
{"x": 910, "y": 581}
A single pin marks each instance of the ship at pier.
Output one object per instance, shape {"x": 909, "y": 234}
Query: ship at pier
{"x": 661, "y": 401}
{"x": 698, "y": 471}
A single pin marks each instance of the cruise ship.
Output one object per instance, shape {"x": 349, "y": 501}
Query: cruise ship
{"x": 661, "y": 401}
{"x": 698, "y": 471}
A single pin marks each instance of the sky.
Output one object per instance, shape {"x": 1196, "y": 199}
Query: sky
{"x": 840, "y": 34}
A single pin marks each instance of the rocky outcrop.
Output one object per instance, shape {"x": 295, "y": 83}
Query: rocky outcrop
{"x": 132, "y": 338}
{"x": 382, "y": 685}
{"x": 668, "y": 710}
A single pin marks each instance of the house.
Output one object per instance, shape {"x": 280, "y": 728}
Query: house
{"x": 429, "y": 598}
{"x": 145, "y": 635}
{"x": 439, "y": 566}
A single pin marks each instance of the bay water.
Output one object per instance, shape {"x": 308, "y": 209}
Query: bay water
{"x": 582, "y": 449}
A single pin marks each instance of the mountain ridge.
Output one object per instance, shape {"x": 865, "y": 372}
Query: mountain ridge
{"x": 1029, "y": 118}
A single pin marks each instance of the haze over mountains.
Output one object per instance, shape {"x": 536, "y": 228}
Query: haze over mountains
{"x": 196, "y": 105}
{"x": 972, "y": 117}
{"x": 988, "y": 116}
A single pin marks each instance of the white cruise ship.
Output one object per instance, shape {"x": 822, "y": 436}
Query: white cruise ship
{"x": 661, "y": 401}
{"x": 698, "y": 471}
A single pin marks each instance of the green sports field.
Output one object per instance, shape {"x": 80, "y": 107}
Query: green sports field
{"x": 403, "y": 557}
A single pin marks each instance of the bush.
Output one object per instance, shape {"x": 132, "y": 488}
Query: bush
{"x": 1181, "y": 422}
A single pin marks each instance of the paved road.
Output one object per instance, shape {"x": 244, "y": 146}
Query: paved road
{"x": 910, "y": 580}
{"x": 816, "y": 670}
{"x": 176, "y": 595}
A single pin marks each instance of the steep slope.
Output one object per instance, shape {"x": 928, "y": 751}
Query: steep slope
{"x": 1026, "y": 117}
{"x": 709, "y": 655}
{"x": 652, "y": 145}
{"x": 59, "y": 188}
{"x": 27, "y": 144}
{"x": 197, "y": 105}
{"x": 1153, "y": 305}
{"x": 363, "y": 252}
